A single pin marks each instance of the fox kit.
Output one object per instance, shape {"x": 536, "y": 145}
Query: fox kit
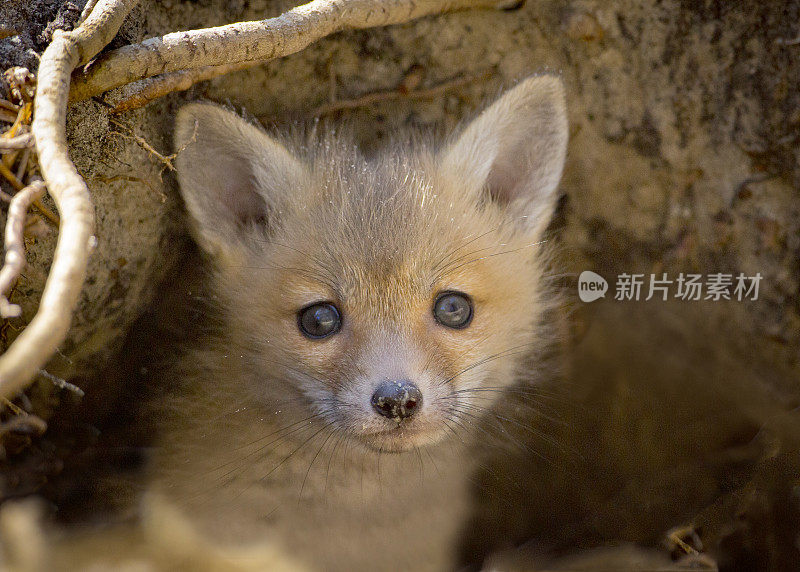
{"x": 371, "y": 312}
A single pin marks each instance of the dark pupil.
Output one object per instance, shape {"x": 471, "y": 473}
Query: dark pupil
{"x": 453, "y": 310}
{"x": 319, "y": 320}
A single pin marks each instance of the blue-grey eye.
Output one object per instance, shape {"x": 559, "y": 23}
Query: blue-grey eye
{"x": 319, "y": 320}
{"x": 453, "y": 310}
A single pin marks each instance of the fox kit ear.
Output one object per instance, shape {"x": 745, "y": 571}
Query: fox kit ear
{"x": 231, "y": 175}
{"x": 515, "y": 150}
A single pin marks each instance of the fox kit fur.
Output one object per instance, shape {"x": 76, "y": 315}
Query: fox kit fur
{"x": 371, "y": 312}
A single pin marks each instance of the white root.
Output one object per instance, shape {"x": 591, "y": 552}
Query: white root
{"x": 255, "y": 42}
{"x": 40, "y": 339}
{"x": 140, "y": 93}
{"x": 19, "y": 142}
{"x": 14, "y": 261}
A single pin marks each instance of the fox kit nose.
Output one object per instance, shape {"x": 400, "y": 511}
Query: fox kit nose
{"x": 397, "y": 399}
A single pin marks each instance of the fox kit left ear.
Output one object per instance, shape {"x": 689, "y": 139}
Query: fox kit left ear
{"x": 515, "y": 150}
{"x": 232, "y": 176}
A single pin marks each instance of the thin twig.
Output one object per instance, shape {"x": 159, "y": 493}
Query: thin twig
{"x": 140, "y": 93}
{"x": 165, "y": 160}
{"x": 788, "y": 41}
{"x": 41, "y": 338}
{"x": 255, "y": 42}
{"x": 686, "y": 547}
{"x": 128, "y": 133}
{"x": 129, "y": 179}
{"x": 394, "y": 94}
{"x": 14, "y": 261}
{"x": 61, "y": 383}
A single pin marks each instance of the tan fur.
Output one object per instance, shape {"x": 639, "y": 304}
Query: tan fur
{"x": 344, "y": 488}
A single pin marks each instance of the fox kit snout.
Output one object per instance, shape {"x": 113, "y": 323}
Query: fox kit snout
{"x": 389, "y": 298}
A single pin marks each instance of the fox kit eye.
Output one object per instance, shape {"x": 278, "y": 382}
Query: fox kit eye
{"x": 453, "y": 310}
{"x": 319, "y": 320}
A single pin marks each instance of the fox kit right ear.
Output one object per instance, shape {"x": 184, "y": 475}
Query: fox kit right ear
{"x": 515, "y": 151}
{"x": 231, "y": 175}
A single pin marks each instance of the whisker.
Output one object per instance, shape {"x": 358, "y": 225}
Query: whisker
{"x": 491, "y": 414}
{"x": 471, "y": 253}
{"x": 342, "y": 437}
{"x": 432, "y": 355}
{"x": 301, "y": 271}
{"x": 305, "y": 253}
{"x": 465, "y": 414}
{"x": 421, "y": 468}
{"x": 270, "y": 434}
{"x": 449, "y": 269}
{"x": 486, "y": 468}
{"x": 435, "y": 467}
{"x": 240, "y": 462}
{"x": 444, "y": 258}
{"x": 286, "y": 458}
{"x": 504, "y": 353}
{"x": 447, "y": 258}
{"x": 304, "y": 373}
{"x": 305, "y": 478}
{"x": 522, "y": 390}
{"x": 538, "y": 408}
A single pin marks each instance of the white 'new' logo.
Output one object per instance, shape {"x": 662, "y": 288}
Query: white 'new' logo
{"x": 591, "y": 286}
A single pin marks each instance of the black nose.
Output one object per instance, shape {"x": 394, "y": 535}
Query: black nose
{"x": 397, "y": 399}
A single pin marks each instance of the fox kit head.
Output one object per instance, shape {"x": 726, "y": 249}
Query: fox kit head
{"x": 390, "y": 297}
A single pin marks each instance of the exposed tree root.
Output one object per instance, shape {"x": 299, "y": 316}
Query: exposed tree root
{"x": 19, "y": 186}
{"x": 252, "y": 42}
{"x": 18, "y": 142}
{"x": 40, "y": 339}
{"x": 15, "y": 245}
{"x": 140, "y": 93}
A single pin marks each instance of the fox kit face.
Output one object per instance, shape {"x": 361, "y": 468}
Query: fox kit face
{"x": 390, "y": 297}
